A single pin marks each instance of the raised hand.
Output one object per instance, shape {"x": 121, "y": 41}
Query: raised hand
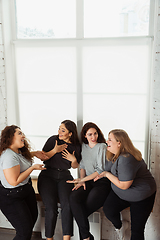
{"x": 59, "y": 148}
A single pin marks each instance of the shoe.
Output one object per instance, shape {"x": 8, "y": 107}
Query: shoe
{"x": 121, "y": 232}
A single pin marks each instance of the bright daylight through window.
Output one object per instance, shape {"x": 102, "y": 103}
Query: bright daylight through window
{"x": 102, "y": 18}
{"x": 93, "y": 64}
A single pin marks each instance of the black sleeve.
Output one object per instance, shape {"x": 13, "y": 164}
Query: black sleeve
{"x": 50, "y": 143}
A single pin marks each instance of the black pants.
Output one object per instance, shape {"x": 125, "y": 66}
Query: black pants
{"x": 20, "y": 208}
{"x": 139, "y": 211}
{"x": 52, "y": 187}
{"x": 84, "y": 202}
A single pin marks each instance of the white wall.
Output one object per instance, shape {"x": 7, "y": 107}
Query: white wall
{"x": 3, "y": 107}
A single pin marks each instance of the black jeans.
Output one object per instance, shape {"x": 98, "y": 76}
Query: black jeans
{"x": 20, "y": 208}
{"x": 139, "y": 211}
{"x": 53, "y": 188}
{"x": 84, "y": 202}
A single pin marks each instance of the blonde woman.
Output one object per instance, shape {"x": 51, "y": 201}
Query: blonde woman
{"x": 132, "y": 185}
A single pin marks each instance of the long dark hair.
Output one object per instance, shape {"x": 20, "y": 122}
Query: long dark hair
{"x": 71, "y": 127}
{"x": 86, "y": 127}
{"x": 6, "y": 140}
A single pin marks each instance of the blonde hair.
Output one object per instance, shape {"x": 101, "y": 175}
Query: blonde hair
{"x": 126, "y": 146}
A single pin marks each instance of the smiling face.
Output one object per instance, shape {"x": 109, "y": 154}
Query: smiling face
{"x": 113, "y": 145}
{"x": 92, "y": 136}
{"x": 18, "y": 140}
{"x": 64, "y": 134}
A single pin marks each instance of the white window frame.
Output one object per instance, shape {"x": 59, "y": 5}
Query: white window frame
{"x": 10, "y": 39}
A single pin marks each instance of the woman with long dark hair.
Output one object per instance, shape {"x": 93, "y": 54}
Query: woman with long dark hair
{"x": 132, "y": 185}
{"x": 17, "y": 196}
{"x": 88, "y": 196}
{"x": 64, "y": 152}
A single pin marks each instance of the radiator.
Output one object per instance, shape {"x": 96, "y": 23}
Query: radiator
{"x": 94, "y": 220}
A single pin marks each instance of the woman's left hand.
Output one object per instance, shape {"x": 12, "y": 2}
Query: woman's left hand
{"x": 103, "y": 174}
{"x": 41, "y": 155}
{"x": 70, "y": 157}
{"x": 77, "y": 180}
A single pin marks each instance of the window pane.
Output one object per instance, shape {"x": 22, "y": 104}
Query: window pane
{"x": 42, "y": 113}
{"x": 126, "y": 112}
{"x": 46, "y": 18}
{"x": 115, "y": 86}
{"x": 105, "y": 18}
{"x": 46, "y": 69}
{"x": 121, "y": 67}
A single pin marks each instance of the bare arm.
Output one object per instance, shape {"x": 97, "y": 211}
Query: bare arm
{"x": 82, "y": 173}
{"x": 120, "y": 184}
{"x": 40, "y": 154}
{"x": 89, "y": 177}
{"x": 14, "y": 177}
{"x": 57, "y": 148}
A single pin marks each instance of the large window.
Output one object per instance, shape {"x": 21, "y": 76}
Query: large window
{"x": 89, "y": 67}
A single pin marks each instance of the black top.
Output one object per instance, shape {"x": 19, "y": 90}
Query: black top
{"x": 57, "y": 161}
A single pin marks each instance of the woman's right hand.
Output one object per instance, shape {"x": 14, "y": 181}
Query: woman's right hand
{"x": 103, "y": 174}
{"x": 59, "y": 148}
{"x": 38, "y": 167}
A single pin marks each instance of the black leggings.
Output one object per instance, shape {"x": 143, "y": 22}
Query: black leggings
{"x": 139, "y": 211}
{"x": 84, "y": 202}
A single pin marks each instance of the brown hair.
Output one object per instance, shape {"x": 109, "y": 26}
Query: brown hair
{"x": 6, "y": 140}
{"x": 126, "y": 146}
{"x": 86, "y": 127}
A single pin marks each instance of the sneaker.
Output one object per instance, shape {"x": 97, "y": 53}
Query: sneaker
{"x": 121, "y": 232}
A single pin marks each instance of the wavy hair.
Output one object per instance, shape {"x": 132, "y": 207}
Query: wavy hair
{"x": 86, "y": 127}
{"x": 125, "y": 147}
{"x": 6, "y": 141}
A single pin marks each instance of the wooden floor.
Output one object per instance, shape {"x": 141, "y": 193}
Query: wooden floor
{"x": 9, "y": 234}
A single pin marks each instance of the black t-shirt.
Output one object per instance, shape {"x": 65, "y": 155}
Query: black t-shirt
{"x": 57, "y": 161}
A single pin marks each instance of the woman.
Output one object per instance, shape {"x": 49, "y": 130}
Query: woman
{"x": 132, "y": 185}
{"x": 17, "y": 197}
{"x": 63, "y": 151}
{"x": 88, "y": 196}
